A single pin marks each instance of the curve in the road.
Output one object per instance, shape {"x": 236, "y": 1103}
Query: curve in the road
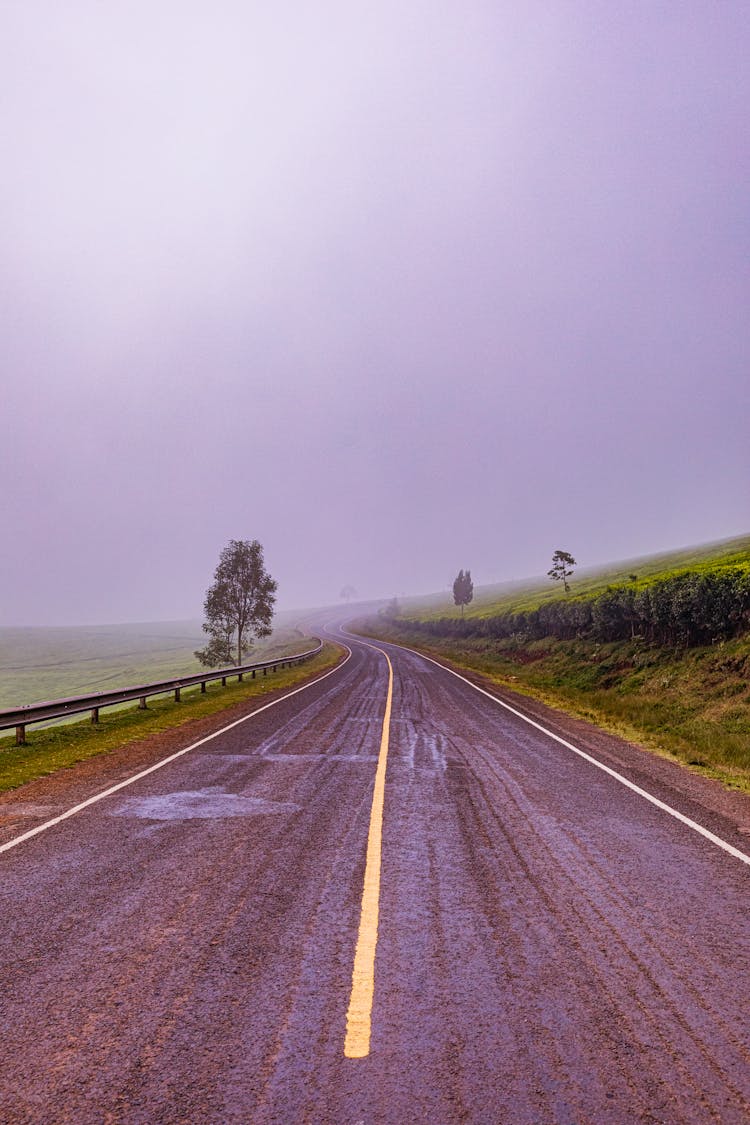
{"x": 551, "y": 947}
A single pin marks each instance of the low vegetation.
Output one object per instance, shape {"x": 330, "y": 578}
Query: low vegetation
{"x": 54, "y": 748}
{"x": 687, "y": 608}
{"x": 660, "y": 654}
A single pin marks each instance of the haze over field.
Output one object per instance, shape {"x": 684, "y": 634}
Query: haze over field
{"x": 395, "y": 289}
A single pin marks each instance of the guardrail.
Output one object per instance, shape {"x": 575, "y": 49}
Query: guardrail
{"x": 21, "y": 717}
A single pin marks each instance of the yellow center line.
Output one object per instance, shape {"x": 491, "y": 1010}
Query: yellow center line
{"x": 359, "y": 1015}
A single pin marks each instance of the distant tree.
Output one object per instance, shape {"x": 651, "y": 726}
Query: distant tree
{"x": 633, "y": 577}
{"x": 347, "y": 593}
{"x": 238, "y": 605}
{"x": 562, "y": 568}
{"x": 463, "y": 589}
{"x": 392, "y": 609}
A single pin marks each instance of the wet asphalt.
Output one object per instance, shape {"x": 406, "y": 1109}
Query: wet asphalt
{"x": 551, "y": 947}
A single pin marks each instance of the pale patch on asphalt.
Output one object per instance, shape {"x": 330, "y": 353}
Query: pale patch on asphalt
{"x": 424, "y": 750}
{"x": 212, "y": 803}
{"x": 240, "y": 759}
{"x": 20, "y": 808}
{"x": 301, "y": 757}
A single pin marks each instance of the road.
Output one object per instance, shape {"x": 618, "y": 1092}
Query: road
{"x": 548, "y": 945}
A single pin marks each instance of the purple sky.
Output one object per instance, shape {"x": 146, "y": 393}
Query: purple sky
{"x": 395, "y": 288}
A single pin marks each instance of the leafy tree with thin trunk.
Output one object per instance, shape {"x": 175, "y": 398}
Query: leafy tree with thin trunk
{"x": 463, "y": 589}
{"x": 238, "y": 605}
{"x": 562, "y": 568}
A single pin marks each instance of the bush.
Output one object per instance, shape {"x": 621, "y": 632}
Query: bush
{"x": 692, "y": 608}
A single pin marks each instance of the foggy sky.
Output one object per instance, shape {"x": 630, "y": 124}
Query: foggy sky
{"x": 395, "y": 288}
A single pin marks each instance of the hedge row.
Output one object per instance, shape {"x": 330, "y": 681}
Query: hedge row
{"x": 691, "y": 608}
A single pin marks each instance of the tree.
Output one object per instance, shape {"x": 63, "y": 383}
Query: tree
{"x": 238, "y": 605}
{"x": 392, "y": 609}
{"x": 463, "y": 589}
{"x": 348, "y": 592}
{"x": 562, "y": 568}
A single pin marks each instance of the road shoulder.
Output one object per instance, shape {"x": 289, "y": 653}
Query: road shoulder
{"x": 46, "y": 796}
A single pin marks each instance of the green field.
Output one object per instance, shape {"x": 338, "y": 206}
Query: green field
{"x": 690, "y": 702}
{"x": 38, "y": 664}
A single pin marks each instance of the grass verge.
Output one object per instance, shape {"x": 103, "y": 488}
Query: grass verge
{"x": 692, "y": 705}
{"x": 54, "y": 748}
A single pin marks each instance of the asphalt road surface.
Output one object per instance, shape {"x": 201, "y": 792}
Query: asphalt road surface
{"x": 548, "y": 945}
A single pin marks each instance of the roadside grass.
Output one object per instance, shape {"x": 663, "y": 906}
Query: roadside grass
{"x": 692, "y": 705}
{"x": 54, "y": 748}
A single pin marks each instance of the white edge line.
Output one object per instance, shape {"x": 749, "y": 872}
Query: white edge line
{"x": 165, "y": 761}
{"x": 729, "y": 848}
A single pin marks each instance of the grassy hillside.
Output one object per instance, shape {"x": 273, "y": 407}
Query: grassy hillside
{"x": 692, "y": 702}
{"x": 527, "y": 594}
